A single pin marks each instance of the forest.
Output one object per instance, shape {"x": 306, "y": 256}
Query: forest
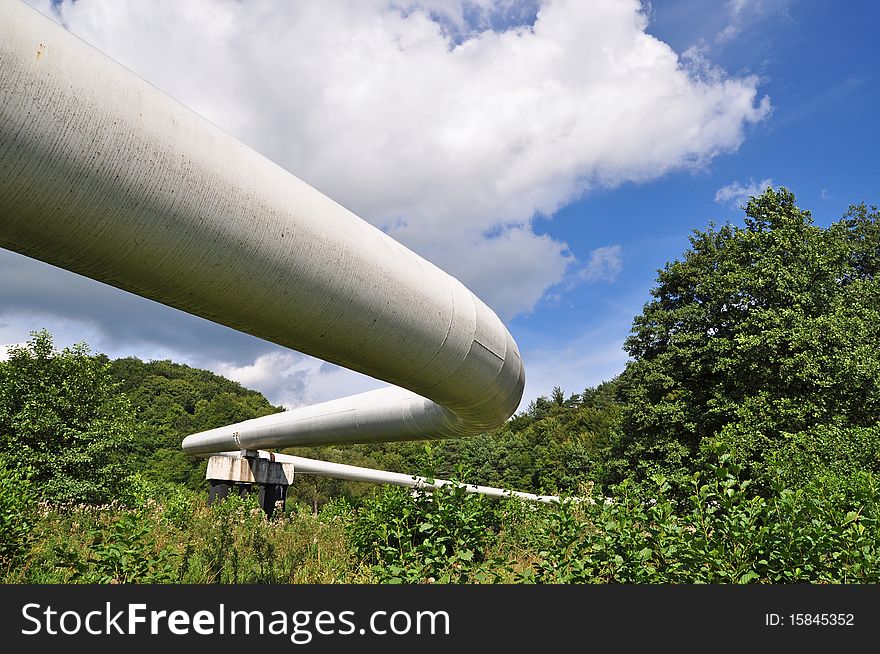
{"x": 740, "y": 444}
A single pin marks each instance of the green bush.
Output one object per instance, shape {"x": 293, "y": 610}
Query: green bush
{"x": 414, "y": 536}
{"x": 62, "y": 416}
{"x": 17, "y": 514}
{"x": 128, "y": 553}
{"x": 830, "y": 451}
{"x": 825, "y": 532}
{"x": 724, "y": 532}
{"x": 176, "y": 502}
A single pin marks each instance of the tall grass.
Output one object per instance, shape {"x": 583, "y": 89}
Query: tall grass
{"x": 827, "y": 531}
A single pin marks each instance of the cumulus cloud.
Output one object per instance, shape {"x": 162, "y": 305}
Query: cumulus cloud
{"x": 294, "y": 380}
{"x": 445, "y": 122}
{"x": 738, "y": 194}
{"x": 508, "y": 265}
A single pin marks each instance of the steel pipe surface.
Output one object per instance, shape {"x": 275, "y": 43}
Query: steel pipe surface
{"x": 104, "y": 175}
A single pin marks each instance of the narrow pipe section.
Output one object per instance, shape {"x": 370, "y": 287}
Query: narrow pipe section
{"x": 104, "y": 175}
{"x": 304, "y": 466}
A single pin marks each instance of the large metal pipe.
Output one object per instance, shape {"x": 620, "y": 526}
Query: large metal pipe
{"x": 104, "y": 175}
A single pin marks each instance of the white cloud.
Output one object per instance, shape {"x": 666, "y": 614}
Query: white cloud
{"x": 745, "y": 15}
{"x": 604, "y": 265}
{"x": 293, "y": 380}
{"x": 738, "y": 194}
{"x": 508, "y": 266}
{"x": 737, "y": 10}
{"x": 449, "y": 123}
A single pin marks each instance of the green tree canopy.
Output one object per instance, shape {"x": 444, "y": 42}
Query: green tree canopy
{"x": 62, "y": 418}
{"x": 757, "y": 333}
{"x": 173, "y": 400}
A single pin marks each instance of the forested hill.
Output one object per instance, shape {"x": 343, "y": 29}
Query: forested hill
{"x": 550, "y": 447}
{"x": 555, "y": 446}
{"x": 171, "y": 401}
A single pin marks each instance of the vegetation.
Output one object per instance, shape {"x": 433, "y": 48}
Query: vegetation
{"x": 63, "y": 422}
{"x": 740, "y": 444}
{"x": 551, "y": 448}
{"x": 17, "y": 514}
{"x": 724, "y": 534}
{"x": 758, "y": 337}
{"x": 172, "y": 401}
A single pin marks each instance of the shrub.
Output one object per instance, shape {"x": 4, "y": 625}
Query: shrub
{"x": 62, "y": 416}
{"x": 826, "y": 532}
{"x": 414, "y": 537}
{"x": 17, "y": 514}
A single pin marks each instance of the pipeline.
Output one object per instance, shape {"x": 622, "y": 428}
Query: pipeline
{"x": 106, "y": 176}
{"x": 316, "y": 468}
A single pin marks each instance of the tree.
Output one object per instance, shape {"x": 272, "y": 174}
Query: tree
{"x": 757, "y": 333}
{"x": 171, "y": 401}
{"x": 62, "y": 418}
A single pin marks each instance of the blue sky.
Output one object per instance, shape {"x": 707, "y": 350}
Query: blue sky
{"x": 818, "y": 62}
{"x": 492, "y": 139}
